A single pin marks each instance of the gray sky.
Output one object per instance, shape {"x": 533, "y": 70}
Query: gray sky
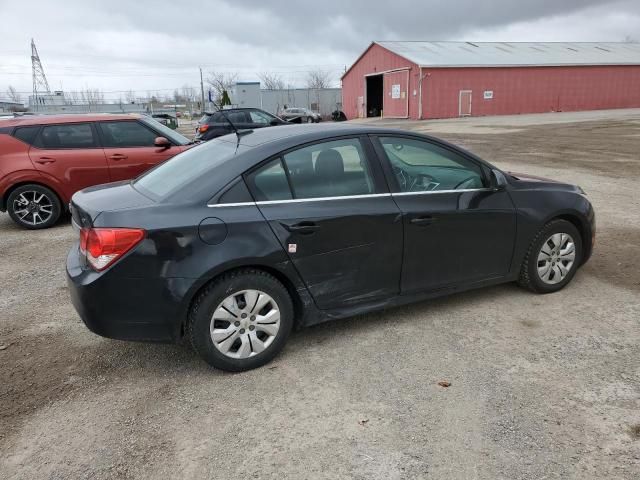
{"x": 157, "y": 46}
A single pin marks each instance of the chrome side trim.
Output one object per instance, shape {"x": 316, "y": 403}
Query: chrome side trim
{"x": 322, "y": 199}
{"x": 298, "y": 200}
{"x": 239, "y": 204}
{"x": 462, "y": 190}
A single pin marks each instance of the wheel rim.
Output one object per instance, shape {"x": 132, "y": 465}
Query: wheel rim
{"x": 245, "y": 324}
{"x": 33, "y": 208}
{"x": 556, "y": 258}
{"x": 309, "y": 120}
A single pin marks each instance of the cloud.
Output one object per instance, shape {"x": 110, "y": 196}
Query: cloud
{"x": 158, "y": 45}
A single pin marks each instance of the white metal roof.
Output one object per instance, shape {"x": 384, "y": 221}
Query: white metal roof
{"x": 511, "y": 54}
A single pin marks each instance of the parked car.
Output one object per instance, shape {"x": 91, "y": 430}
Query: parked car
{"x": 45, "y": 159}
{"x": 304, "y": 115}
{"x": 216, "y": 124}
{"x": 232, "y": 243}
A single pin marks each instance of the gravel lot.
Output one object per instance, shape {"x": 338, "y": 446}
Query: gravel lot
{"x": 541, "y": 386}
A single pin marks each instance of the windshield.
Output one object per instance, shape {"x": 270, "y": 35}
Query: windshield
{"x": 181, "y": 170}
{"x": 166, "y": 132}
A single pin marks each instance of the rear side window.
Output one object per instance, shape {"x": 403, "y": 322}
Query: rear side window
{"x": 27, "y": 134}
{"x": 69, "y": 135}
{"x": 330, "y": 169}
{"x": 126, "y": 134}
{"x": 269, "y": 182}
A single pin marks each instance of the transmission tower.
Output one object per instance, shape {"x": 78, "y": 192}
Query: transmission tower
{"x": 40, "y": 84}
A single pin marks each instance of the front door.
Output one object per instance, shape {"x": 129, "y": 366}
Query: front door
{"x": 71, "y": 154}
{"x": 330, "y": 210}
{"x": 129, "y": 148}
{"x": 456, "y": 229}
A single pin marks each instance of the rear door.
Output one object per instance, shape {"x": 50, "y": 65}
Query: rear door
{"x": 457, "y": 230}
{"x": 329, "y": 207}
{"x": 71, "y": 153}
{"x": 129, "y": 148}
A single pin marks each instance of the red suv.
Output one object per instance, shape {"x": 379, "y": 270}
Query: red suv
{"x": 45, "y": 159}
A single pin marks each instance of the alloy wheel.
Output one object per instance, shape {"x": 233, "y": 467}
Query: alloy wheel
{"x": 245, "y": 324}
{"x": 556, "y": 258}
{"x": 33, "y": 208}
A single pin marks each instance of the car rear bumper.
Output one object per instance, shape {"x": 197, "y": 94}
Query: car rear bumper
{"x": 120, "y": 308}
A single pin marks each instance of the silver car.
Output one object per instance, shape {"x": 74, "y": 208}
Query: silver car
{"x": 304, "y": 114}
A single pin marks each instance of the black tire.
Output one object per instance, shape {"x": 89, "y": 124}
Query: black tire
{"x": 200, "y": 317}
{"x": 529, "y": 276}
{"x": 48, "y": 201}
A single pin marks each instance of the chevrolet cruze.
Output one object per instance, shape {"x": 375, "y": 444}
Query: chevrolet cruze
{"x": 233, "y": 243}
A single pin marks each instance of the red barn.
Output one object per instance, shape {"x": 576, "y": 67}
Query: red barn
{"x": 450, "y": 79}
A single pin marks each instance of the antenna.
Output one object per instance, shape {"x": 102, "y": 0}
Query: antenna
{"x": 236, "y": 131}
{"x": 40, "y": 84}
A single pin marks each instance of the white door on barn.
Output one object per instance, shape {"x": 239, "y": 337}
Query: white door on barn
{"x": 464, "y": 103}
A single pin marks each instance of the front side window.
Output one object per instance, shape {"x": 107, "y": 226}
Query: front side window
{"x": 420, "y": 166}
{"x": 70, "y": 135}
{"x": 126, "y": 134}
{"x": 330, "y": 169}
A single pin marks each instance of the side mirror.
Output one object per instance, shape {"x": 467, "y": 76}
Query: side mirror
{"x": 498, "y": 180}
{"x": 161, "y": 142}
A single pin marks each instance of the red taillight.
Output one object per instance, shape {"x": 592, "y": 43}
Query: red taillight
{"x": 203, "y": 128}
{"x": 103, "y": 246}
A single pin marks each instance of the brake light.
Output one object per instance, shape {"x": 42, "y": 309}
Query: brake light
{"x": 203, "y": 128}
{"x": 103, "y": 246}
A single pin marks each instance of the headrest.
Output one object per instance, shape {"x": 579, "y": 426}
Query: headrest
{"x": 329, "y": 164}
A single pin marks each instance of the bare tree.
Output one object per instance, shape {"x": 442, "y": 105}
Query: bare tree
{"x": 130, "y": 96}
{"x": 221, "y": 82}
{"x": 13, "y": 95}
{"x": 271, "y": 81}
{"x": 318, "y": 79}
{"x": 92, "y": 96}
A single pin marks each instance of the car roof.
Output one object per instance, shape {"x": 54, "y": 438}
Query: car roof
{"x": 24, "y": 120}
{"x": 310, "y": 132}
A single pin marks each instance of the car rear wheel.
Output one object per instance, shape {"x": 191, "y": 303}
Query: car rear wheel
{"x": 34, "y": 206}
{"x": 553, "y": 258}
{"x": 241, "y": 321}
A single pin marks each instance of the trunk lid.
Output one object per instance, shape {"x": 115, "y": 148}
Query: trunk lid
{"x": 86, "y": 205}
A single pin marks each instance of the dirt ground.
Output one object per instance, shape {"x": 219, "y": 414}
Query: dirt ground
{"x": 541, "y": 386}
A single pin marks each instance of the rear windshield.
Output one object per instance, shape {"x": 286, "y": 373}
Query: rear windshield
{"x": 178, "y": 172}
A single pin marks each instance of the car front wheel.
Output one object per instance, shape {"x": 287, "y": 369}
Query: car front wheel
{"x": 553, "y": 258}
{"x": 34, "y": 207}
{"x": 241, "y": 321}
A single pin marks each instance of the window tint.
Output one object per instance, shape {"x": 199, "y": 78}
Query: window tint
{"x": 164, "y": 131}
{"x": 269, "y": 182}
{"x": 237, "y": 117}
{"x": 126, "y": 134}
{"x": 27, "y": 134}
{"x": 70, "y": 135}
{"x": 422, "y": 166}
{"x": 186, "y": 167}
{"x": 329, "y": 169}
{"x": 259, "y": 117}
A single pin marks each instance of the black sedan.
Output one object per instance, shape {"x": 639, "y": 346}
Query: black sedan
{"x": 234, "y": 242}
{"x": 222, "y": 122}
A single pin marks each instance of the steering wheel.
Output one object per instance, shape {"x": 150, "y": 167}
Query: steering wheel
{"x": 466, "y": 180}
{"x": 412, "y": 183}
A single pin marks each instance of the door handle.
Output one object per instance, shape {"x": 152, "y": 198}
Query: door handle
{"x": 118, "y": 156}
{"x": 45, "y": 160}
{"x": 422, "y": 221}
{"x": 304, "y": 228}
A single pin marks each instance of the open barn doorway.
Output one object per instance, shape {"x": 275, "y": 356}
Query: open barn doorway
{"x": 374, "y": 95}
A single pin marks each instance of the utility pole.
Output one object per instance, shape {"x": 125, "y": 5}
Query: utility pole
{"x": 201, "y": 91}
